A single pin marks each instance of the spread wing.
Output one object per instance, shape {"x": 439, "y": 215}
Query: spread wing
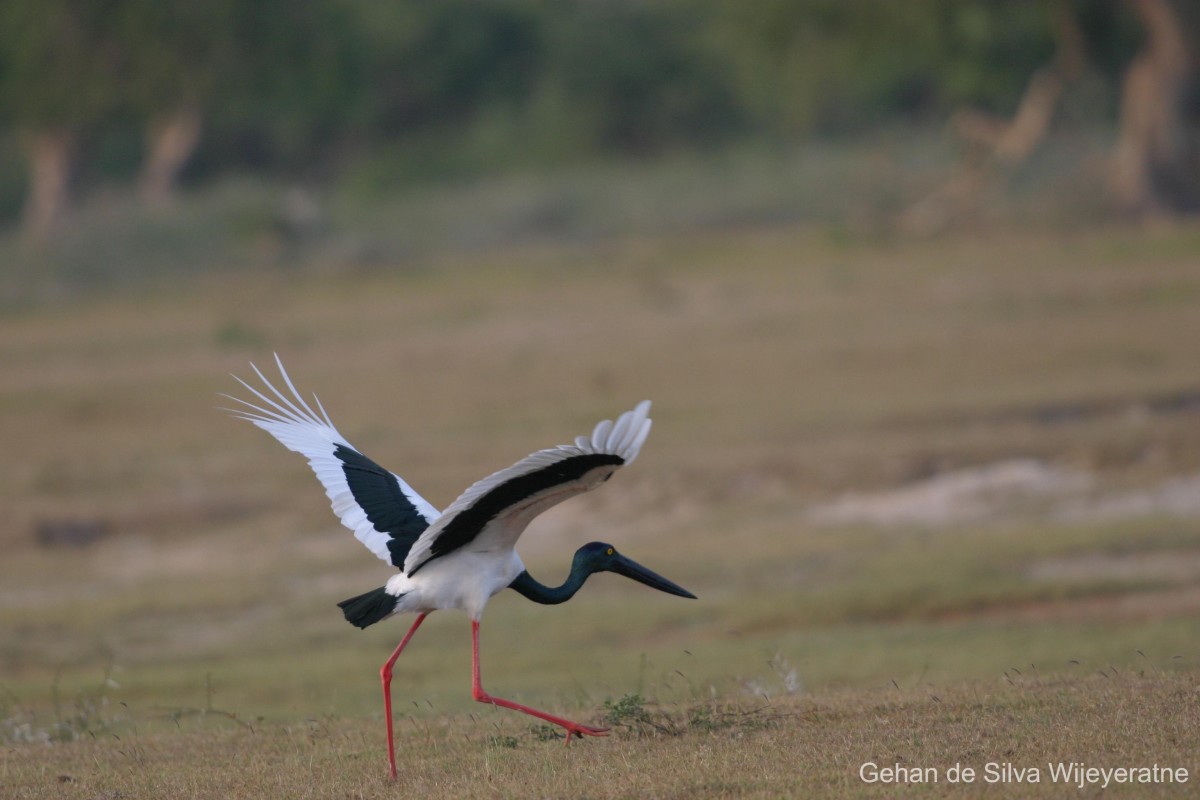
{"x": 385, "y": 513}
{"x": 492, "y": 513}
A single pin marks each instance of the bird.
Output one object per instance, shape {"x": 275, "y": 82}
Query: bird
{"x": 460, "y": 557}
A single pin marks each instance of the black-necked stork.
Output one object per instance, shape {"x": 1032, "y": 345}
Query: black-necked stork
{"x": 460, "y": 557}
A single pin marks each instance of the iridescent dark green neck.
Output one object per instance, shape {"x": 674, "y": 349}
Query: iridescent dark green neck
{"x": 551, "y": 595}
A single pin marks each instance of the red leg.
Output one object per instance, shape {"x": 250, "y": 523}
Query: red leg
{"x": 572, "y": 728}
{"x": 385, "y": 673}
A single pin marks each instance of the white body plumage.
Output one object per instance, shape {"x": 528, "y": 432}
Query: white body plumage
{"x": 465, "y": 580}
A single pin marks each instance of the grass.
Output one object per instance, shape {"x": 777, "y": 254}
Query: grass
{"x": 195, "y": 650}
{"x": 794, "y": 747}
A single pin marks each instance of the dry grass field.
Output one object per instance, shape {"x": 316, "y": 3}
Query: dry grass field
{"x": 939, "y": 501}
{"x": 826, "y": 745}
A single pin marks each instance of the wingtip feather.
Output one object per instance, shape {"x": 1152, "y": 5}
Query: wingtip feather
{"x": 635, "y": 446}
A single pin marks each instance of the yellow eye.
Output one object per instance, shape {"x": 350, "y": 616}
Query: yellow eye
{"x": 610, "y": 551}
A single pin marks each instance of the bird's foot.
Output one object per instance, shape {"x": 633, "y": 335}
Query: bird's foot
{"x": 574, "y": 729}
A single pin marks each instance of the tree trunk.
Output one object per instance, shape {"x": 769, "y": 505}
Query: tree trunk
{"x": 50, "y": 154}
{"x": 171, "y": 140}
{"x": 998, "y": 144}
{"x": 1155, "y": 165}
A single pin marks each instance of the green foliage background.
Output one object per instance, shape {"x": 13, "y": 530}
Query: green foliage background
{"x": 389, "y": 93}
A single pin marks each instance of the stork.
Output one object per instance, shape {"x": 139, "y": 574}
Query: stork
{"x": 460, "y": 557}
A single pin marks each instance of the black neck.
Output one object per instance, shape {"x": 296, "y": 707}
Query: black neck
{"x": 550, "y": 595}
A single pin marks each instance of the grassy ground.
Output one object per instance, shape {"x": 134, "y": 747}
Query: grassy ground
{"x": 787, "y": 368}
{"x": 1013, "y": 735}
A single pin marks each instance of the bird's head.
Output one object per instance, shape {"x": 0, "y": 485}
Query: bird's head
{"x": 601, "y": 557}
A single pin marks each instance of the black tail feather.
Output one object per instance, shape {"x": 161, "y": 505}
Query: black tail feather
{"x": 367, "y": 609}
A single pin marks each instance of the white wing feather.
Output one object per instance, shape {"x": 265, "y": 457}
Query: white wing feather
{"x": 624, "y": 439}
{"x": 298, "y": 428}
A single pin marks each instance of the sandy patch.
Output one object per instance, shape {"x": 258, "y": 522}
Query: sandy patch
{"x": 959, "y": 496}
{"x": 1010, "y": 488}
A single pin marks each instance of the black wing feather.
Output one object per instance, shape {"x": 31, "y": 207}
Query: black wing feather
{"x": 376, "y": 491}
{"x": 467, "y": 524}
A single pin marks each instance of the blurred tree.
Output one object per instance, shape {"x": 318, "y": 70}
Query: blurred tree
{"x": 268, "y": 76}
{"x": 838, "y": 66}
{"x": 70, "y": 69}
{"x": 176, "y": 51}
{"x": 539, "y": 81}
{"x": 996, "y": 141}
{"x": 631, "y": 76}
{"x": 288, "y": 82}
{"x": 433, "y": 62}
{"x": 468, "y": 85}
{"x": 1156, "y": 163}
{"x": 60, "y": 80}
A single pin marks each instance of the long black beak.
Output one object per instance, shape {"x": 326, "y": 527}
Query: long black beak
{"x": 634, "y": 570}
